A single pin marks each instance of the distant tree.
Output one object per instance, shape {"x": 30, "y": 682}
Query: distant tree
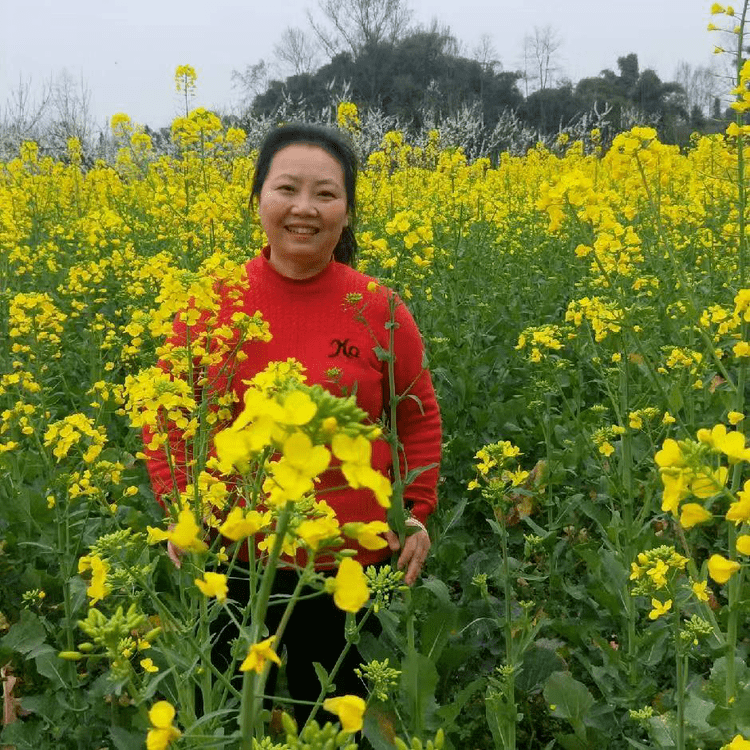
{"x": 486, "y": 54}
{"x": 251, "y": 82}
{"x": 353, "y": 25}
{"x": 297, "y": 51}
{"x": 419, "y": 76}
{"x": 699, "y": 85}
{"x": 540, "y": 59}
{"x": 552, "y": 108}
{"x": 638, "y": 93}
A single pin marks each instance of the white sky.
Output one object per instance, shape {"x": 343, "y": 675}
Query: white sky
{"x": 126, "y": 51}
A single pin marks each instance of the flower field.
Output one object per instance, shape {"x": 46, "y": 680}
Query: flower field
{"x": 585, "y": 312}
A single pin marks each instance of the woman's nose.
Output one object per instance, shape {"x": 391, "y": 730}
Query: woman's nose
{"x": 303, "y": 204}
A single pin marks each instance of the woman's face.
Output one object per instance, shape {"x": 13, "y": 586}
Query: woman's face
{"x": 303, "y": 209}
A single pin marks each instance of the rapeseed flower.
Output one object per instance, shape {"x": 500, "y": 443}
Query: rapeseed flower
{"x": 162, "y": 733}
{"x": 721, "y": 569}
{"x": 367, "y": 534}
{"x": 184, "y": 534}
{"x": 659, "y": 608}
{"x": 258, "y": 654}
{"x": 213, "y": 584}
{"x": 692, "y": 514}
{"x": 349, "y": 586}
{"x": 350, "y": 709}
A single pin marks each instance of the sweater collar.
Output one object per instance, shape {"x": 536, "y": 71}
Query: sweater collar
{"x": 312, "y": 283}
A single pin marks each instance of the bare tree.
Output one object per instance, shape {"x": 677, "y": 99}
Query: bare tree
{"x": 23, "y": 114}
{"x": 540, "y": 61}
{"x": 699, "y": 84}
{"x": 297, "y": 51}
{"x": 351, "y": 25}
{"x": 251, "y": 82}
{"x": 486, "y": 54}
{"x": 71, "y": 111}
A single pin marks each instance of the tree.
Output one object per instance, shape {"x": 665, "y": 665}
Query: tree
{"x": 540, "y": 56}
{"x": 485, "y": 53}
{"x": 640, "y": 94}
{"x": 699, "y": 84}
{"x": 352, "y": 25}
{"x": 252, "y": 82}
{"x": 297, "y": 51}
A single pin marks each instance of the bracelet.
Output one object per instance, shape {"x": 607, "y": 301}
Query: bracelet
{"x": 416, "y": 523}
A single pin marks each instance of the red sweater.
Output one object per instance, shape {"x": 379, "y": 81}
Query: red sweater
{"x": 312, "y": 321}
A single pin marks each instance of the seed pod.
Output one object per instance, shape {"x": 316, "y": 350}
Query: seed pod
{"x": 71, "y": 655}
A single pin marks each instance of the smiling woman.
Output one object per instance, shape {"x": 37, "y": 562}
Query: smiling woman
{"x": 303, "y": 209}
{"x": 335, "y": 322}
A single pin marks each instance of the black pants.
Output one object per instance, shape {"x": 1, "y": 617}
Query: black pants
{"x": 314, "y": 633}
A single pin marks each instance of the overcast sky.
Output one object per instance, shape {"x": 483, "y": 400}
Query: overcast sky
{"x": 125, "y": 51}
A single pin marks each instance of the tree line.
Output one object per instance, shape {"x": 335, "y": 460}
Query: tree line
{"x": 372, "y": 57}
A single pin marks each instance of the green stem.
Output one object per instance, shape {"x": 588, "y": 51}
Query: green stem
{"x": 681, "y": 666}
{"x": 332, "y": 674}
{"x": 252, "y": 683}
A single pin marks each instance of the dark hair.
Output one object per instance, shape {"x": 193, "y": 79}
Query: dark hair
{"x": 338, "y": 146}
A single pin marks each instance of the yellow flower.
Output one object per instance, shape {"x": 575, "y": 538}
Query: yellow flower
{"x": 670, "y": 455}
{"x": 668, "y": 418}
{"x": 738, "y": 743}
{"x": 367, "y": 534}
{"x": 606, "y": 448}
{"x": 739, "y": 511}
{"x": 314, "y": 532}
{"x": 721, "y": 569}
{"x": 659, "y": 609}
{"x": 735, "y": 417}
{"x": 349, "y": 708}
{"x": 693, "y": 514}
{"x": 707, "y": 483}
{"x": 99, "y": 568}
{"x": 148, "y": 666}
{"x": 299, "y": 408}
{"x": 743, "y": 544}
{"x": 675, "y": 491}
{"x": 213, "y": 584}
{"x": 349, "y": 587}
{"x": 258, "y": 654}
{"x": 357, "y": 450}
{"x": 239, "y": 525}
{"x": 163, "y": 732}
{"x": 700, "y": 589}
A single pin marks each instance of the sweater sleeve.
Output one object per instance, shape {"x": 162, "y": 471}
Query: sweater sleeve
{"x": 417, "y": 415}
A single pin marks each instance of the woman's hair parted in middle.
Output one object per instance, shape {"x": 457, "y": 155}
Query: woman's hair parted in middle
{"x": 338, "y": 146}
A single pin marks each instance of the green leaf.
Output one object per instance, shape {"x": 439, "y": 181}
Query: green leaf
{"x": 501, "y": 719}
{"x": 419, "y": 679}
{"x": 568, "y": 699}
{"x": 436, "y": 630}
{"x": 125, "y": 740}
{"x": 51, "y": 666}
{"x": 538, "y": 665}
{"x": 450, "y": 712}
{"x": 438, "y": 588}
{"x": 323, "y": 677}
{"x": 25, "y": 635}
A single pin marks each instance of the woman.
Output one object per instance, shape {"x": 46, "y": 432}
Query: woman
{"x": 332, "y": 319}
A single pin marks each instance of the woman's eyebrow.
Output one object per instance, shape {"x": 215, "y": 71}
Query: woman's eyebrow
{"x": 295, "y": 178}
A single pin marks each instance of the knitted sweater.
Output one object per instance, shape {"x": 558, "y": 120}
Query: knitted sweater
{"x": 312, "y": 321}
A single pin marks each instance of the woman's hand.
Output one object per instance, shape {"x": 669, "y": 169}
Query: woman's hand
{"x": 413, "y": 555}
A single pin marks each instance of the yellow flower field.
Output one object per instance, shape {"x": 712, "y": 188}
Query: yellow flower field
{"x": 585, "y": 312}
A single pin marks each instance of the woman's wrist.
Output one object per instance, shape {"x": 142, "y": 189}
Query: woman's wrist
{"x": 415, "y": 522}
